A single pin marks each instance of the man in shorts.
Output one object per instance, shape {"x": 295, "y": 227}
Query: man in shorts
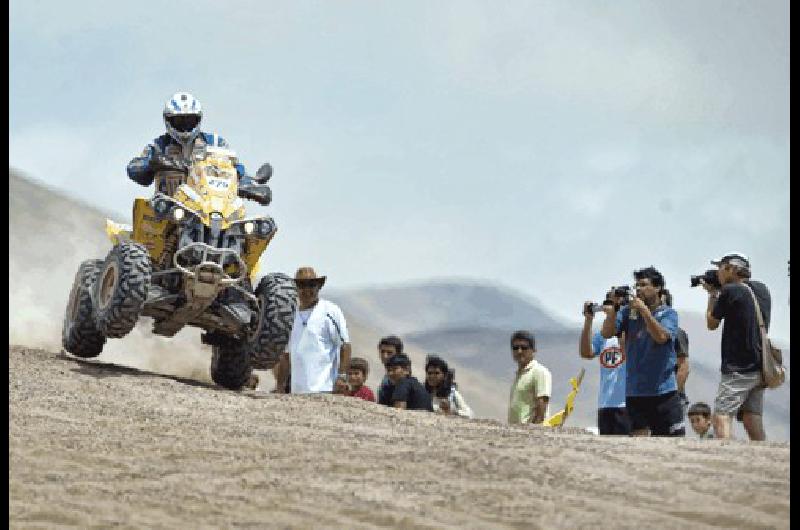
{"x": 650, "y": 327}
{"x": 741, "y": 386}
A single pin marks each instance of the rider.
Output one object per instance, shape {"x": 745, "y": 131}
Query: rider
{"x": 174, "y": 150}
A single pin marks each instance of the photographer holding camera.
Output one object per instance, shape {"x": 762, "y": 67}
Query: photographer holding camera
{"x": 612, "y": 416}
{"x": 741, "y": 387}
{"x": 649, "y": 327}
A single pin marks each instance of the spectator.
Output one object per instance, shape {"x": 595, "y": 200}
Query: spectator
{"x": 387, "y": 346}
{"x": 612, "y": 416}
{"x": 357, "y": 375}
{"x": 530, "y": 392}
{"x": 682, "y": 356}
{"x": 319, "y": 346}
{"x": 440, "y": 384}
{"x": 741, "y": 387}
{"x": 650, "y": 328}
{"x": 700, "y": 418}
{"x": 405, "y": 391}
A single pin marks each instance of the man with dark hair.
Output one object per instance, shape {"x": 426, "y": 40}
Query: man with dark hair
{"x": 650, "y": 328}
{"x": 405, "y": 391}
{"x": 530, "y": 391}
{"x": 741, "y": 387}
{"x": 387, "y": 347}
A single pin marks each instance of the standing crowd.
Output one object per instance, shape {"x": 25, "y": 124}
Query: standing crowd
{"x": 644, "y": 363}
{"x": 643, "y": 355}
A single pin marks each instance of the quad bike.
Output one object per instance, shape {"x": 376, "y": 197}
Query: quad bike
{"x": 190, "y": 259}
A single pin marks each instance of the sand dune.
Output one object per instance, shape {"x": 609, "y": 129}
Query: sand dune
{"x": 102, "y": 445}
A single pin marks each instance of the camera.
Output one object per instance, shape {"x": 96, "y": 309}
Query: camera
{"x": 624, "y": 293}
{"x": 709, "y": 277}
{"x": 593, "y": 308}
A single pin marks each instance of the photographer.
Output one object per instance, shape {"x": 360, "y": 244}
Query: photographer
{"x": 649, "y": 328}
{"x": 741, "y": 387}
{"x": 440, "y": 384}
{"x": 612, "y": 416}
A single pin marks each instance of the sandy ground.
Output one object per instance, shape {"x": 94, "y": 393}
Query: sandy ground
{"x": 99, "y": 445}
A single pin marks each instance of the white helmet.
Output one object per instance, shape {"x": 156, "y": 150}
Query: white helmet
{"x": 182, "y": 115}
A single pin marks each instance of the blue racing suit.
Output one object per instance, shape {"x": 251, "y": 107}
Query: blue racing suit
{"x": 139, "y": 169}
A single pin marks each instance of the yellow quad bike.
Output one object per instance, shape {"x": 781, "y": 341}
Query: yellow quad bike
{"x": 190, "y": 259}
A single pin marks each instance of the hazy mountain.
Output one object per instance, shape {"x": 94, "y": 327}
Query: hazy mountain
{"x": 439, "y": 304}
{"x": 469, "y": 323}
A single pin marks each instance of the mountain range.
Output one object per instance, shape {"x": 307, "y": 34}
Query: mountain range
{"x": 469, "y": 323}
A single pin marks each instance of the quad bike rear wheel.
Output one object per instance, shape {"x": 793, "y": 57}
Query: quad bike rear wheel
{"x": 230, "y": 364}
{"x": 79, "y": 334}
{"x": 277, "y": 295}
{"x": 121, "y": 288}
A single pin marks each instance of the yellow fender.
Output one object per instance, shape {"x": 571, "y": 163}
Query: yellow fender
{"x": 117, "y": 232}
{"x": 558, "y": 419}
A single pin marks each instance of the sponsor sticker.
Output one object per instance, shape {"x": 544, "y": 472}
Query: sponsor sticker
{"x": 218, "y": 183}
{"x": 612, "y": 357}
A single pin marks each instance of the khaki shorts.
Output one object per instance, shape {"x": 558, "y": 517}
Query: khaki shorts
{"x": 740, "y": 393}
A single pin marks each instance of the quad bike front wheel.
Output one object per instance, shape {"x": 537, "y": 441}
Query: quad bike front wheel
{"x": 277, "y": 295}
{"x": 79, "y": 334}
{"x": 120, "y": 290}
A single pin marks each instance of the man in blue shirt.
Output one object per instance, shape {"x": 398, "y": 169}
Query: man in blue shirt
{"x": 649, "y": 328}
{"x": 612, "y": 416}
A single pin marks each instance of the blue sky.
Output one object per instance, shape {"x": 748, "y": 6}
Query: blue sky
{"x": 550, "y": 146}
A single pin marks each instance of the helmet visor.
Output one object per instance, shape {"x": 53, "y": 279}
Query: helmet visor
{"x": 184, "y": 122}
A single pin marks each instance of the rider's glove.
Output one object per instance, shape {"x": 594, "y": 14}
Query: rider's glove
{"x": 159, "y": 162}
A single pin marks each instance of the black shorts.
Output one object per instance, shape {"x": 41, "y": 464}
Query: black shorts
{"x": 613, "y": 421}
{"x": 663, "y": 414}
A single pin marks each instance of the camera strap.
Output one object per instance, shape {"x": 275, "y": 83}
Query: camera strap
{"x": 771, "y": 359}
{"x": 759, "y": 315}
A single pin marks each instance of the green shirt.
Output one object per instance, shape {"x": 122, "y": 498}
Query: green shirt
{"x": 532, "y": 382}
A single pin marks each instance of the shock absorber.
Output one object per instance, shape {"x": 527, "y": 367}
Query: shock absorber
{"x": 170, "y": 246}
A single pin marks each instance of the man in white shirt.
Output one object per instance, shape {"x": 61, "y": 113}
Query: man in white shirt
{"x": 319, "y": 346}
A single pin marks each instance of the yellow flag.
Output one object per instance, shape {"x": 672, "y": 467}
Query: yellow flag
{"x": 558, "y": 419}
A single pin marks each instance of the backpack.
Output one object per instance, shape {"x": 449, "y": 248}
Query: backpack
{"x": 771, "y": 357}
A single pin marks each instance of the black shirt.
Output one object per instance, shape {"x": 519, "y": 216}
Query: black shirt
{"x": 409, "y": 390}
{"x": 741, "y": 338}
{"x": 681, "y": 345}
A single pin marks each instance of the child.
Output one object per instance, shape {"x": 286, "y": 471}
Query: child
{"x": 356, "y": 375}
{"x": 700, "y": 416}
{"x": 404, "y": 391}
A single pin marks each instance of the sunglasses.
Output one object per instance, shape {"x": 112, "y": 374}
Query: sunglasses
{"x": 436, "y": 372}
{"x": 308, "y": 284}
{"x": 520, "y": 348}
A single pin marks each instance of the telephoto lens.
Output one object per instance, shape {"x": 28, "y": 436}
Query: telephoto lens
{"x": 709, "y": 277}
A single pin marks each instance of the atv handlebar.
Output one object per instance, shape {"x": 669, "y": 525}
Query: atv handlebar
{"x": 260, "y": 193}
